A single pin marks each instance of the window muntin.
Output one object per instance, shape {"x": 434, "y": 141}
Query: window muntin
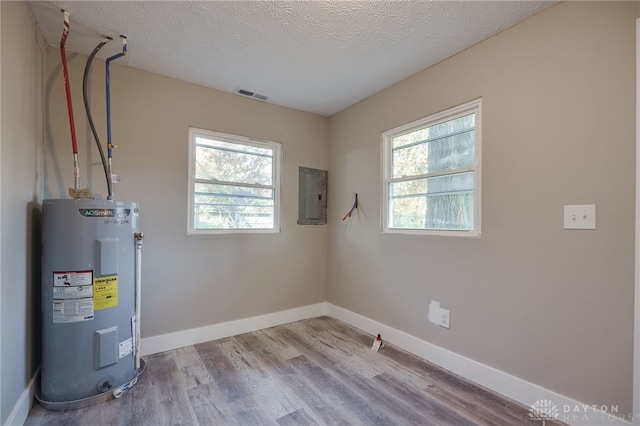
{"x": 224, "y": 161}
{"x": 234, "y": 183}
{"x": 448, "y": 145}
{"x": 432, "y": 174}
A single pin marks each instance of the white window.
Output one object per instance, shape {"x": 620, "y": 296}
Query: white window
{"x": 234, "y": 183}
{"x": 431, "y": 174}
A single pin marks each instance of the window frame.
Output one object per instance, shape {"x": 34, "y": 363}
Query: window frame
{"x": 276, "y": 147}
{"x": 473, "y": 106}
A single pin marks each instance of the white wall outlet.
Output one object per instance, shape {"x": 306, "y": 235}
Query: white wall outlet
{"x": 444, "y": 317}
{"x": 580, "y": 217}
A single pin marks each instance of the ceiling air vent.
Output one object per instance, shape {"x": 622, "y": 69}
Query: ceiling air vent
{"x": 252, "y": 95}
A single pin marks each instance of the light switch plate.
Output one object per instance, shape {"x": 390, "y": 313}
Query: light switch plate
{"x": 580, "y": 217}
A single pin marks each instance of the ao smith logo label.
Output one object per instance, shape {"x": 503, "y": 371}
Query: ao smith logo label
{"x": 116, "y": 213}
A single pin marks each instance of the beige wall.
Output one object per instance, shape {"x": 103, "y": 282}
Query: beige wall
{"x": 21, "y": 144}
{"x": 550, "y": 306}
{"x": 190, "y": 281}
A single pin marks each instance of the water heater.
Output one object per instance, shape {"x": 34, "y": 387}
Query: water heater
{"x": 90, "y": 297}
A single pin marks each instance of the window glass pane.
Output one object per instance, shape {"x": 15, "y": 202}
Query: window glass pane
{"x": 223, "y": 161}
{"x": 219, "y": 206}
{"x": 443, "y": 202}
{"x": 445, "y": 146}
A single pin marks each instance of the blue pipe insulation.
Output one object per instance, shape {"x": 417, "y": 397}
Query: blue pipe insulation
{"x": 108, "y": 90}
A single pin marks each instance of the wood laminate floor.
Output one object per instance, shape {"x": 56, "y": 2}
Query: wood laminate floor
{"x": 316, "y": 371}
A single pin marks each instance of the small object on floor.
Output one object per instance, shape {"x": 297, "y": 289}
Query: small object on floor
{"x": 377, "y": 344}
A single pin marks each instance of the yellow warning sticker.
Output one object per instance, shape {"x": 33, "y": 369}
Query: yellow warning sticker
{"x": 105, "y": 292}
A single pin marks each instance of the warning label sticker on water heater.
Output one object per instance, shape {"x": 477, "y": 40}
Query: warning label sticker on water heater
{"x": 74, "y": 278}
{"x": 105, "y": 292}
{"x": 72, "y": 310}
{"x": 72, "y": 296}
{"x": 75, "y": 292}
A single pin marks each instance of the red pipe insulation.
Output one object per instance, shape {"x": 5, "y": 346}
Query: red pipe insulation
{"x": 67, "y": 86}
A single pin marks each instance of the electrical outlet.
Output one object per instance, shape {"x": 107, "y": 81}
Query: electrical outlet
{"x": 444, "y": 317}
{"x": 437, "y": 315}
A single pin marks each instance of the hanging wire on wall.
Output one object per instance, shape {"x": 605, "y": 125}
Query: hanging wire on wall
{"x": 355, "y": 206}
{"x": 349, "y": 214}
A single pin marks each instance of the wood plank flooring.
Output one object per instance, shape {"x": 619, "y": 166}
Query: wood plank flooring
{"x": 318, "y": 371}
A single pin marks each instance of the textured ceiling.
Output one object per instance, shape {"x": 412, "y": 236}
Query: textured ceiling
{"x": 315, "y": 56}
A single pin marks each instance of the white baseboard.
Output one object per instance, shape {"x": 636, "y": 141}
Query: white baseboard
{"x": 569, "y": 410}
{"x": 179, "y": 339}
{"x": 21, "y": 410}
